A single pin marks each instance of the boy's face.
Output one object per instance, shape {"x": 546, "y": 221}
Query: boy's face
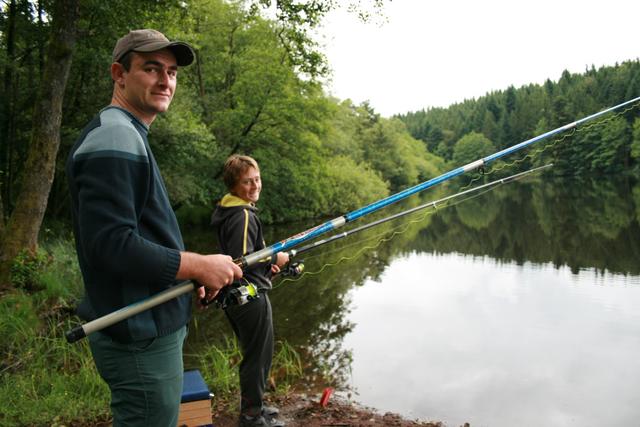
{"x": 248, "y": 186}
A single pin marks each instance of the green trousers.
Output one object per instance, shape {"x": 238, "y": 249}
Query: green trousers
{"x": 145, "y": 378}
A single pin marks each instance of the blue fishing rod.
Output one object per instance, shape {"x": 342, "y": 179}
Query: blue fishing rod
{"x": 295, "y": 269}
{"x": 249, "y": 260}
{"x": 252, "y": 259}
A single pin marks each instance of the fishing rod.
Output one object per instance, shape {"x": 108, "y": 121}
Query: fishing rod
{"x": 241, "y": 295}
{"x": 249, "y": 260}
{"x": 253, "y": 258}
{"x": 296, "y": 268}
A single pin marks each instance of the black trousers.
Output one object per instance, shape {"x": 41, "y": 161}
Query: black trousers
{"x": 253, "y": 325}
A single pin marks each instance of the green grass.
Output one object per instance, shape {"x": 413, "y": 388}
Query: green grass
{"x": 61, "y": 279}
{"x": 42, "y": 378}
{"x": 46, "y": 381}
{"x": 219, "y": 368}
{"x": 287, "y": 367}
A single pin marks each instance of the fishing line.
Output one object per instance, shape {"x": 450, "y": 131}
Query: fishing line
{"x": 393, "y": 228}
{"x": 246, "y": 261}
{"x": 393, "y": 233}
{"x": 539, "y": 150}
{"x": 388, "y": 235}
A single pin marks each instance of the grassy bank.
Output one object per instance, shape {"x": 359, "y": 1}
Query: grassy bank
{"x": 46, "y": 381}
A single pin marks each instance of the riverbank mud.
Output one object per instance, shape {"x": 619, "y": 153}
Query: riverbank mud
{"x": 302, "y": 410}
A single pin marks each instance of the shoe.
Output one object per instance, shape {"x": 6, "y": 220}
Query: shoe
{"x": 270, "y": 411}
{"x": 259, "y": 421}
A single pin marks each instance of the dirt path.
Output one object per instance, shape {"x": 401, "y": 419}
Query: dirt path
{"x": 298, "y": 410}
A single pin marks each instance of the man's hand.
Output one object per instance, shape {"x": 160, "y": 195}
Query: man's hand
{"x": 200, "y": 294}
{"x": 211, "y": 271}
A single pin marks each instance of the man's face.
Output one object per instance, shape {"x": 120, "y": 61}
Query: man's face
{"x": 248, "y": 186}
{"x": 148, "y": 87}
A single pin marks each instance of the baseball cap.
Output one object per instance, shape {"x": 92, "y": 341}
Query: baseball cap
{"x": 148, "y": 40}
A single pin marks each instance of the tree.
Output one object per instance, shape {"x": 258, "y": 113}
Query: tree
{"x": 514, "y": 115}
{"x": 636, "y": 198}
{"x": 612, "y": 150}
{"x": 260, "y": 91}
{"x": 23, "y": 36}
{"x": 470, "y": 147}
{"x": 22, "y": 229}
{"x": 6, "y": 107}
{"x": 298, "y": 18}
{"x": 635, "y": 145}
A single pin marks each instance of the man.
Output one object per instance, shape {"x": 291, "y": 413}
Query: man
{"x": 127, "y": 237}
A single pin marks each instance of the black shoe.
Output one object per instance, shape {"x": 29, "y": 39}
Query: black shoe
{"x": 259, "y": 421}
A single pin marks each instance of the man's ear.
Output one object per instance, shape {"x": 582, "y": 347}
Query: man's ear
{"x": 117, "y": 73}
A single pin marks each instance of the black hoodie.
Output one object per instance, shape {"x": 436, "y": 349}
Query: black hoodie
{"x": 240, "y": 233}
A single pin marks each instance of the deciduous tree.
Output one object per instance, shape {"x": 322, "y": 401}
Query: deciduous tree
{"x": 21, "y": 232}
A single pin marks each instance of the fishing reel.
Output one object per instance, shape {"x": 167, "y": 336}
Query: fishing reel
{"x": 234, "y": 294}
{"x": 237, "y": 294}
{"x": 293, "y": 269}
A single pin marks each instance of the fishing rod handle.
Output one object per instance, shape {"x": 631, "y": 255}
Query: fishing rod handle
{"x": 75, "y": 334}
{"x": 82, "y": 331}
{"x": 221, "y": 295}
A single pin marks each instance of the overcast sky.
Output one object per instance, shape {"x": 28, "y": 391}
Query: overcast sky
{"x": 433, "y": 53}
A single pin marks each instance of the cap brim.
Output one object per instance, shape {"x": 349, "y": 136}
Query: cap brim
{"x": 182, "y": 51}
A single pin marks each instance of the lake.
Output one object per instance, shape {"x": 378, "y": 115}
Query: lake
{"x": 518, "y": 306}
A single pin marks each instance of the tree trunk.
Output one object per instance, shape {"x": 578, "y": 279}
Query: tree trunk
{"x": 22, "y": 229}
{"x": 7, "y": 114}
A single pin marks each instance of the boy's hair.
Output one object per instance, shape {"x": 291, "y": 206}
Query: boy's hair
{"x": 235, "y": 166}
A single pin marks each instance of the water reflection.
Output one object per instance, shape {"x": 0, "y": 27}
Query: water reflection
{"x": 527, "y": 291}
{"x": 515, "y": 345}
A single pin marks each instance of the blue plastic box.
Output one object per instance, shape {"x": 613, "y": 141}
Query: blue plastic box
{"x": 195, "y": 409}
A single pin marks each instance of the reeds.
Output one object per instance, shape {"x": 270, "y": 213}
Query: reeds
{"x": 219, "y": 367}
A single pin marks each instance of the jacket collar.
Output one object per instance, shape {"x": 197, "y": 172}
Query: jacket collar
{"x": 229, "y": 201}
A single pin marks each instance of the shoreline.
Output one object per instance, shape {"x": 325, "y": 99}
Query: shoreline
{"x": 304, "y": 410}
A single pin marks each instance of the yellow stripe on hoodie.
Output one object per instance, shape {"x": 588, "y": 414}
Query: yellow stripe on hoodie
{"x": 246, "y": 234}
{"x": 229, "y": 200}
